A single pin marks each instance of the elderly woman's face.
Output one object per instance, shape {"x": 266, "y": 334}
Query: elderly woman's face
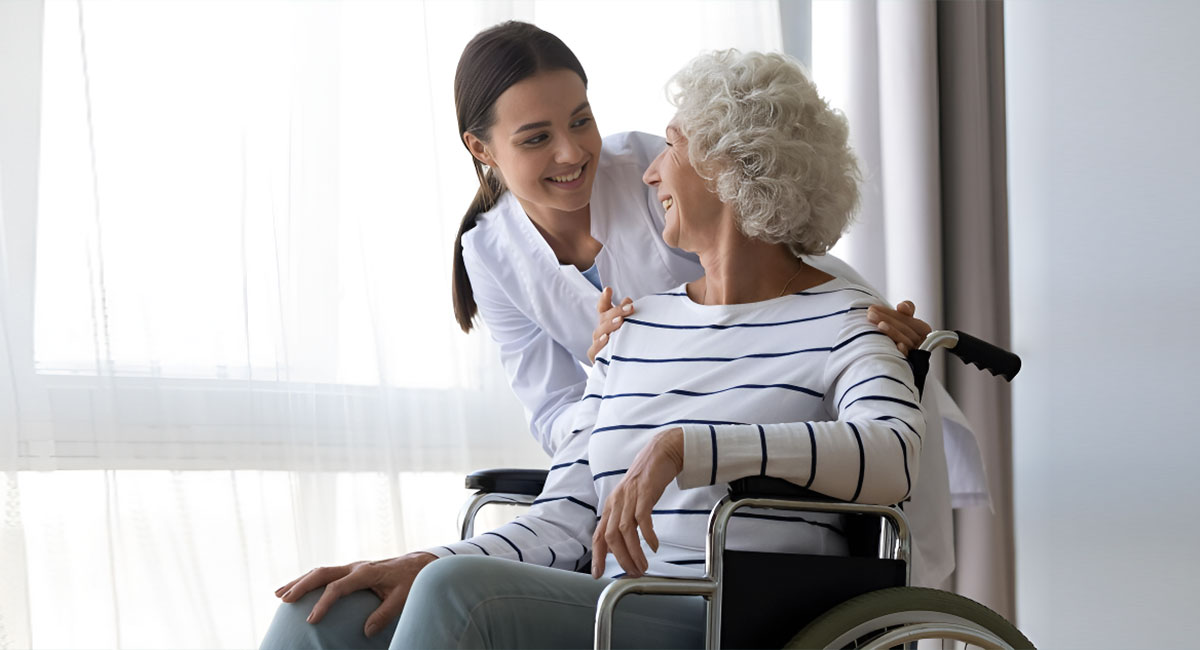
{"x": 692, "y": 211}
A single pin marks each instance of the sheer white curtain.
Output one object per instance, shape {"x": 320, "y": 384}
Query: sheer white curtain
{"x": 227, "y": 350}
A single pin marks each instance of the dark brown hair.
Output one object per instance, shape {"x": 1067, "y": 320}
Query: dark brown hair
{"x": 493, "y": 61}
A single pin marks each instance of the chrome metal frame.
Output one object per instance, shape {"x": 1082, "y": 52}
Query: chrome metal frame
{"x": 466, "y": 516}
{"x": 896, "y": 544}
{"x": 939, "y": 339}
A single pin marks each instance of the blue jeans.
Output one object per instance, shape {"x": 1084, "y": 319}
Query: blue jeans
{"x": 482, "y": 602}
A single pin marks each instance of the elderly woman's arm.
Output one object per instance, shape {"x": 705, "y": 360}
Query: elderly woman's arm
{"x": 868, "y": 454}
{"x": 556, "y": 530}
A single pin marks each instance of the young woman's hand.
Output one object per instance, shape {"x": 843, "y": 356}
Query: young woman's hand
{"x": 900, "y": 324}
{"x": 610, "y": 320}
{"x": 388, "y": 579}
{"x": 628, "y": 507}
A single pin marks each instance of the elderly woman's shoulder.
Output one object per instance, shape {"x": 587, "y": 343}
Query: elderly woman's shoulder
{"x": 842, "y": 291}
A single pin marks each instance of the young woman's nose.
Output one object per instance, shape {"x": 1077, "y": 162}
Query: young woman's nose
{"x": 568, "y": 151}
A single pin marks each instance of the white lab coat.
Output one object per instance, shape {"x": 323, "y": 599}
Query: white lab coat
{"x": 542, "y": 313}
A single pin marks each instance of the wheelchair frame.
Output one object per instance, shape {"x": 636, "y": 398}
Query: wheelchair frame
{"x": 895, "y": 544}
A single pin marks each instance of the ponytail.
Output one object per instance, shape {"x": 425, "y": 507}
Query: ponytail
{"x": 485, "y": 199}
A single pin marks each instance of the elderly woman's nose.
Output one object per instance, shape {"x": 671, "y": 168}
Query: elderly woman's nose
{"x": 651, "y": 175}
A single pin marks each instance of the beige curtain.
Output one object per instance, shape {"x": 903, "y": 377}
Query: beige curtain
{"x": 974, "y": 202}
{"x": 922, "y": 84}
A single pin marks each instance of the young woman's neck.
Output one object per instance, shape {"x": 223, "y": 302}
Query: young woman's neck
{"x": 738, "y": 269}
{"x": 568, "y": 233}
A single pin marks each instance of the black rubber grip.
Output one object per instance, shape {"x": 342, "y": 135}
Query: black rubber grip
{"x": 508, "y": 481}
{"x": 771, "y": 488}
{"x": 991, "y": 358}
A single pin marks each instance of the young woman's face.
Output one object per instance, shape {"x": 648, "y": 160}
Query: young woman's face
{"x": 544, "y": 143}
{"x": 693, "y": 213}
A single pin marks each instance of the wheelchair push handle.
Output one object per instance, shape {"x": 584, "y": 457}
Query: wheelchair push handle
{"x": 978, "y": 352}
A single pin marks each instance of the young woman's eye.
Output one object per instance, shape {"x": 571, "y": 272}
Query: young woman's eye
{"x": 537, "y": 139}
{"x": 581, "y": 121}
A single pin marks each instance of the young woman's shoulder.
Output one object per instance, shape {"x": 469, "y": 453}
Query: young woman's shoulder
{"x": 493, "y": 231}
{"x": 633, "y": 147}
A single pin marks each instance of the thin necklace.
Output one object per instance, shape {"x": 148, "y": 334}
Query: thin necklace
{"x": 704, "y": 298}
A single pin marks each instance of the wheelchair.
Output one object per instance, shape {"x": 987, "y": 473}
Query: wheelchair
{"x": 862, "y": 600}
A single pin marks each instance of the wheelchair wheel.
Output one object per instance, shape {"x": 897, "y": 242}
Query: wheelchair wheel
{"x": 893, "y": 617}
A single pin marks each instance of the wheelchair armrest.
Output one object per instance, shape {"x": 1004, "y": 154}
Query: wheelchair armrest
{"x": 508, "y": 481}
{"x": 772, "y": 488}
{"x": 862, "y": 533}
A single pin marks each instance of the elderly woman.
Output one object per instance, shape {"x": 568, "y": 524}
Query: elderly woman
{"x": 764, "y": 365}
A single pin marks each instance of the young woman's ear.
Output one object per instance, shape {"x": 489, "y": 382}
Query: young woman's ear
{"x": 479, "y": 149}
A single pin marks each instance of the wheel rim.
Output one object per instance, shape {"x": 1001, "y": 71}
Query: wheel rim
{"x": 916, "y": 632}
{"x": 913, "y": 620}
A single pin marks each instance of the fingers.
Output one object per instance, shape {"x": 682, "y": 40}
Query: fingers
{"x": 896, "y": 326}
{"x": 599, "y": 547}
{"x": 614, "y": 539}
{"x": 605, "y": 302}
{"x": 620, "y": 534}
{"x": 907, "y": 308}
{"x": 388, "y": 611}
{"x": 360, "y": 578}
{"x": 596, "y": 346}
{"x": 312, "y": 580}
{"x": 628, "y": 527}
{"x": 610, "y": 320}
{"x": 284, "y": 589}
{"x": 645, "y": 521}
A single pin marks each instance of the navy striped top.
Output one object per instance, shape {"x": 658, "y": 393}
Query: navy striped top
{"x": 801, "y": 387}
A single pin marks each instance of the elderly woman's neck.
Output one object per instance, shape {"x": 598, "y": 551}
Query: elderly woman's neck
{"x": 742, "y": 270}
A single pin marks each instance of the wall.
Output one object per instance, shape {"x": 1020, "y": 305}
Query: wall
{"x": 1104, "y": 164}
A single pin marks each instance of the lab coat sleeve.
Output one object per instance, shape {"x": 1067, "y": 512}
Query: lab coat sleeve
{"x": 546, "y": 378}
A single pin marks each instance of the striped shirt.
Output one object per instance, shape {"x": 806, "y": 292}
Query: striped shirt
{"x": 801, "y": 387}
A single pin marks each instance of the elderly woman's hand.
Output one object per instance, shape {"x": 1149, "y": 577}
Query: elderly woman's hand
{"x": 629, "y": 505}
{"x": 900, "y": 324}
{"x": 389, "y": 579}
{"x": 610, "y": 320}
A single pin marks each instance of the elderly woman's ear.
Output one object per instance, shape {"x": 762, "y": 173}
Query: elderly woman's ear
{"x": 900, "y": 324}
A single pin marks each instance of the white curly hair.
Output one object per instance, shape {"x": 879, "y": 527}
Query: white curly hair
{"x": 769, "y": 146}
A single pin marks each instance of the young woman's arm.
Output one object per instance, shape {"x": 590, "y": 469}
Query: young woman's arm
{"x": 545, "y": 376}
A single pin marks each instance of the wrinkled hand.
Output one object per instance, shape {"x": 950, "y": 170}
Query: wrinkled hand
{"x": 610, "y": 320}
{"x": 900, "y": 324}
{"x": 389, "y": 579}
{"x": 628, "y": 507}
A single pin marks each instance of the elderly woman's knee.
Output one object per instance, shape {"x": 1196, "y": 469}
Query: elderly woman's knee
{"x": 441, "y": 579}
{"x": 342, "y": 626}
